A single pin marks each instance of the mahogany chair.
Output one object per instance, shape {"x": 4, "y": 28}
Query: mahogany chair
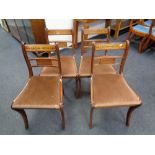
{"x": 141, "y": 30}
{"x": 85, "y": 63}
{"x": 68, "y": 63}
{"x": 112, "y": 90}
{"x": 40, "y": 92}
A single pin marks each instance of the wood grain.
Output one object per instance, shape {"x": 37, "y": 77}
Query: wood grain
{"x": 110, "y": 46}
{"x": 60, "y": 32}
{"x": 39, "y": 48}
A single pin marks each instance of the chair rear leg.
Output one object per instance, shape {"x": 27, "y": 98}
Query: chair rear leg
{"x": 146, "y": 44}
{"x": 24, "y": 116}
{"x": 77, "y": 92}
{"x": 91, "y": 117}
{"x": 62, "y": 118}
{"x": 141, "y": 45}
{"x": 128, "y": 36}
{"x": 128, "y": 117}
{"x": 79, "y": 86}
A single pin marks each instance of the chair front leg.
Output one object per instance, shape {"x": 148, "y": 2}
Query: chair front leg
{"x": 24, "y": 116}
{"x": 91, "y": 118}
{"x": 128, "y": 117}
{"x": 62, "y": 118}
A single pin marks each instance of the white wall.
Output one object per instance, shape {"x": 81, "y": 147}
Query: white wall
{"x": 59, "y": 24}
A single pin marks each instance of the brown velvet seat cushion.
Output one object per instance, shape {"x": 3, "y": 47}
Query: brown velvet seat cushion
{"x": 85, "y": 67}
{"x": 69, "y": 68}
{"x": 40, "y": 92}
{"x": 112, "y": 90}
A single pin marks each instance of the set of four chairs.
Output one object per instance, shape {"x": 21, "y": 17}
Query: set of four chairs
{"x": 108, "y": 87}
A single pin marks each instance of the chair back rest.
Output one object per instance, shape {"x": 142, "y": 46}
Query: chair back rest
{"x": 152, "y": 26}
{"x": 110, "y": 59}
{"x": 61, "y": 32}
{"x": 86, "y": 43}
{"x": 41, "y": 61}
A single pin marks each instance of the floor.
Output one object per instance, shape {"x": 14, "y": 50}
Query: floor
{"x": 139, "y": 72}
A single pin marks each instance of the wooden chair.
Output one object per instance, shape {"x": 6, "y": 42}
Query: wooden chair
{"x": 111, "y": 90}
{"x": 68, "y": 63}
{"x": 151, "y": 36}
{"x": 148, "y": 22}
{"x": 85, "y": 63}
{"x": 40, "y": 92}
{"x": 141, "y": 30}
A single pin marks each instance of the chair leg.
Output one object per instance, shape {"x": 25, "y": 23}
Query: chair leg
{"x": 77, "y": 92}
{"x": 141, "y": 45}
{"x": 91, "y": 117}
{"x": 146, "y": 44}
{"x": 79, "y": 86}
{"x": 24, "y": 116}
{"x": 128, "y": 117}
{"x": 62, "y": 118}
{"x": 128, "y": 36}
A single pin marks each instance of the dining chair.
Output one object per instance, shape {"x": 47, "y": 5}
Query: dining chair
{"x": 68, "y": 62}
{"x": 85, "y": 62}
{"x": 112, "y": 90}
{"x": 40, "y": 92}
{"x": 148, "y": 22}
{"x": 141, "y": 30}
{"x": 151, "y": 36}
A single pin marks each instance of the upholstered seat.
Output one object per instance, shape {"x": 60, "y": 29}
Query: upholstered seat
{"x": 153, "y": 32}
{"x": 141, "y": 28}
{"x": 148, "y": 23}
{"x": 112, "y": 90}
{"x": 85, "y": 67}
{"x": 39, "y": 92}
{"x": 68, "y": 66}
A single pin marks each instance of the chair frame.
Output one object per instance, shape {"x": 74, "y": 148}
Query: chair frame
{"x": 86, "y": 32}
{"x": 84, "y": 36}
{"x": 150, "y": 37}
{"x": 40, "y": 48}
{"x": 133, "y": 33}
{"x": 63, "y": 44}
{"x": 111, "y": 46}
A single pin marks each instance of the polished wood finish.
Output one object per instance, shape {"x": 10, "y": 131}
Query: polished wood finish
{"x": 86, "y": 43}
{"x": 111, "y": 46}
{"x": 91, "y": 117}
{"x": 64, "y": 44}
{"x": 41, "y": 62}
{"x": 39, "y": 48}
{"x": 86, "y": 23}
{"x": 24, "y": 116}
{"x": 60, "y": 32}
{"x": 128, "y": 117}
{"x": 132, "y": 32}
{"x": 109, "y": 60}
{"x": 38, "y": 29}
{"x": 151, "y": 36}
